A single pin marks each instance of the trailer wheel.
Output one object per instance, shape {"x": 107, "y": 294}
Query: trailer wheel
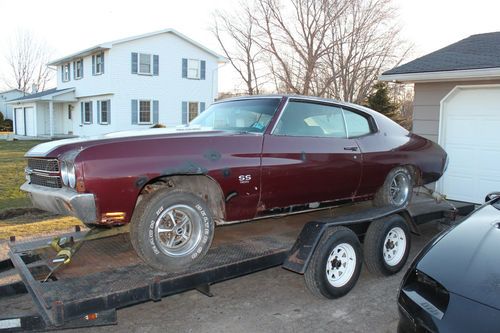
{"x": 335, "y": 265}
{"x": 171, "y": 229}
{"x": 387, "y": 245}
{"x": 396, "y": 190}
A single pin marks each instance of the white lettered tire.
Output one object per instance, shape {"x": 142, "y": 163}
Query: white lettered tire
{"x": 171, "y": 229}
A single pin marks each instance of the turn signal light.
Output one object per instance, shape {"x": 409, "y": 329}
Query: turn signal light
{"x": 113, "y": 217}
{"x": 80, "y": 186}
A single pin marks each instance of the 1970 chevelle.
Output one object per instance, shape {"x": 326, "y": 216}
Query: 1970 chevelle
{"x": 241, "y": 159}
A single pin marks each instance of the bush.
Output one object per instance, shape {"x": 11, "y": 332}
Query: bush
{"x": 158, "y": 126}
{"x": 6, "y": 125}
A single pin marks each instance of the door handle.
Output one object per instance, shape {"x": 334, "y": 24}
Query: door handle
{"x": 351, "y": 148}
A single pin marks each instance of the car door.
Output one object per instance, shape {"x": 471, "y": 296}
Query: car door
{"x": 307, "y": 158}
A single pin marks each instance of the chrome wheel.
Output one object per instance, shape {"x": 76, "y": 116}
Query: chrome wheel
{"x": 394, "y": 246}
{"x": 341, "y": 265}
{"x": 177, "y": 231}
{"x": 399, "y": 189}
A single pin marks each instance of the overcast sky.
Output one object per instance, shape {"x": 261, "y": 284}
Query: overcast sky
{"x": 69, "y": 26}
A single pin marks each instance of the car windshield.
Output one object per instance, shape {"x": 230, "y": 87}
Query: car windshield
{"x": 250, "y": 115}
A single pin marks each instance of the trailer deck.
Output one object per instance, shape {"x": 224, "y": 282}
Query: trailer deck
{"x": 106, "y": 274}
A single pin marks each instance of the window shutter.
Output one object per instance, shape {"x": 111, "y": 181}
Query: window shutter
{"x": 82, "y": 70}
{"x": 155, "y": 112}
{"x": 74, "y": 69}
{"x": 156, "y": 64}
{"x": 91, "y": 112}
{"x": 69, "y": 71}
{"x": 93, "y": 65}
{"x": 202, "y": 107}
{"x": 134, "y": 63}
{"x": 202, "y": 70}
{"x": 98, "y": 112}
{"x": 81, "y": 112}
{"x": 184, "y": 68}
{"x": 102, "y": 62}
{"x": 184, "y": 113}
{"x": 109, "y": 111}
{"x": 62, "y": 73}
{"x": 134, "y": 112}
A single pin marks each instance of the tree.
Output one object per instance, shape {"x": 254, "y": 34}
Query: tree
{"x": 27, "y": 58}
{"x": 380, "y": 101}
{"x": 236, "y": 36}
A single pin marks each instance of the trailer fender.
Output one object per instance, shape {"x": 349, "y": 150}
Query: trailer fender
{"x": 305, "y": 245}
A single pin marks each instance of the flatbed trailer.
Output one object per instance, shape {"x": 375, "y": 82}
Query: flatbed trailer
{"x": 106, "y": 274}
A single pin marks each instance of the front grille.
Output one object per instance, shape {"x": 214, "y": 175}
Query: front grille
{"x": 45, "y": 180}
{"x": 44, "y": 172}
{"x": 40, "y": 164}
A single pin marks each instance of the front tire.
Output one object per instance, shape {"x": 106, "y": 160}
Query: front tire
{"x": 387, "y": 245}
{"x": 335, "y": 265}
{"x": 397, "y": 189}
{"x": 171, "y": 229}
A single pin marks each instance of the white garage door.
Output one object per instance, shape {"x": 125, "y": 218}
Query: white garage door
{"x": 29, "y": 113}
{"x": 470, "y": 133}
{"x": 19, "y": 114}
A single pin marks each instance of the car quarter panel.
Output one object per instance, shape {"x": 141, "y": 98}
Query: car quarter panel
{"x": 116, "y": 172}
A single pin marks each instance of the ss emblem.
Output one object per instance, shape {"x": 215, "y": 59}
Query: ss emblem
{"x": 245, "y": 179}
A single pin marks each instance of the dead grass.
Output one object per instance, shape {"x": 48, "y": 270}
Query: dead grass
{"x": 29, "y": 225}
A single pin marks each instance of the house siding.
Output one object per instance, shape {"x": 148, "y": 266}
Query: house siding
{"x": 6, "y": 96}
{"x": 427, "y": 104}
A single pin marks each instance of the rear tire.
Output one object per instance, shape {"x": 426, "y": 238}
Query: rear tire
{"x": 171, "y": 229}
{"x": 397, "y": 189}
{"x": 335, "y": 265}
{"x": 387, "y": 245}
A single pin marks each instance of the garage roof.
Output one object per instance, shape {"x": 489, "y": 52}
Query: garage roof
{"x": 476, "y": 54}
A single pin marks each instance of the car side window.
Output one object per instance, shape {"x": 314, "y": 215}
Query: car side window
{"x": 357, "y": 125}
{"x": 310, "y": 119}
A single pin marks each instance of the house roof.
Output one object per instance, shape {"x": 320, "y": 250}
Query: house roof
{"x": 108, "y": 45}
{"x": 10, "y": 90}
{"x": 42, "y": 95}
{"x": 475, "y": 55}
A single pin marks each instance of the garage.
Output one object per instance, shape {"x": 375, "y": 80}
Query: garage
{"x": 470, "y": 122}
{"x": 456, "y": 104}
{"x": 25, "y": 121}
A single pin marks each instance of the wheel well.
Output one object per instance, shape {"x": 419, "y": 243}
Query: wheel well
{"x": 200, "y": 185}
{"x": 415, "y": 173}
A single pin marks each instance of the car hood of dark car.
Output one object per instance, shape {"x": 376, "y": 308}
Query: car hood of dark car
{"x": 466, "y": 261}
{"x": 55, "y": 148}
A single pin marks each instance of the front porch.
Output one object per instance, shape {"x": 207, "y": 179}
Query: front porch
{"x": 45, "y": 115}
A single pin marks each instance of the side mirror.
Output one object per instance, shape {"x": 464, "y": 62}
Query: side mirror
{"x": 491, "y": 196}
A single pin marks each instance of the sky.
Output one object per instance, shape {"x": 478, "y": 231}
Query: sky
{"x": 68, "y": 26}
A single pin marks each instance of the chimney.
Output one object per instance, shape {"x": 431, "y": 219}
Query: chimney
{"x": 34, "y": 88}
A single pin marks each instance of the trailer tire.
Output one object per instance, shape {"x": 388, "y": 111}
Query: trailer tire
{"x": 327, "y": 275}
{"x": 387, "y": 245}
{"x": 397, "y": 189}
{"x": 171, "y": 229}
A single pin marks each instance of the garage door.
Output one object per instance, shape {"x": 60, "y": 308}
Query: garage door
{"x": 470, "y": 134}
{"x": 29, "y": 113}
{"x": 19, "y": 114}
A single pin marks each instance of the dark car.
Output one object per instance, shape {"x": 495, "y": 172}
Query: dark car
{"x": 453, "y": 285}
{"x": 241, "y": 159}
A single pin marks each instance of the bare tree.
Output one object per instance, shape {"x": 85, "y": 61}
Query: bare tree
{"x": 236, "y": 35}
{"x": 27, "y": 58}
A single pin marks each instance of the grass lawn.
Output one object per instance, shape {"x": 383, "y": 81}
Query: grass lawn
{"x": 12, "y": 164}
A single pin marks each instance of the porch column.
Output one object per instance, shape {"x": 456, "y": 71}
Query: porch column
{"x": 51, "y": 118}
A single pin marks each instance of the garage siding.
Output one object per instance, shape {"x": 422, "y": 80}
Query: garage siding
{"x": 426, "y": 105}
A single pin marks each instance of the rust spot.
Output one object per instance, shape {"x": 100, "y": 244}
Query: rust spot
{"x": 226, "y": 172}
{"x": 188, "y": 167}
{"x": 141, "y": 181}
{"x": 303, "y": 156}
{"x": 212, "y": 155}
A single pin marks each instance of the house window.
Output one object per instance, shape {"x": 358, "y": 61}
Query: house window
{"x": 193, "y": 71}
{"x": 87, "y": 112}
{"x": 145, "y": 116}
{"x": 104, "y": 112}
{"x": 193, "y": 110}
{"x": 78, "y": 69}
{"x": 65, "y": 72}
{"x": 99, "y": 63}
{"x": 144, "y": 63}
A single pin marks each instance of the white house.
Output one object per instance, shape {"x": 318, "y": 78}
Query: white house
{"x": 160, "y": 77}
{"x": 6, "y": 96}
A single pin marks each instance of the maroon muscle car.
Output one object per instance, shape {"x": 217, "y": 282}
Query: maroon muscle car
{"x": 241, "y": 159}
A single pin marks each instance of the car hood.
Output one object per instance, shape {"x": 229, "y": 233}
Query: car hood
{"x": 57, "y": 147}
{"x": 466, "y": 261}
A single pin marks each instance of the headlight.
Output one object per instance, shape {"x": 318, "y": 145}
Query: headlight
{"x": 64, "y": 172}
{"x": 68, "y": 174}
{"x": 71, "y": 174}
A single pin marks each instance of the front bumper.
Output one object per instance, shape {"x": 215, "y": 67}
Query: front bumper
{"x": 63, "y": 201}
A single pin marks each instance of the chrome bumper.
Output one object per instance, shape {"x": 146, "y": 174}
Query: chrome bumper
{"x": 63, "y": 201}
